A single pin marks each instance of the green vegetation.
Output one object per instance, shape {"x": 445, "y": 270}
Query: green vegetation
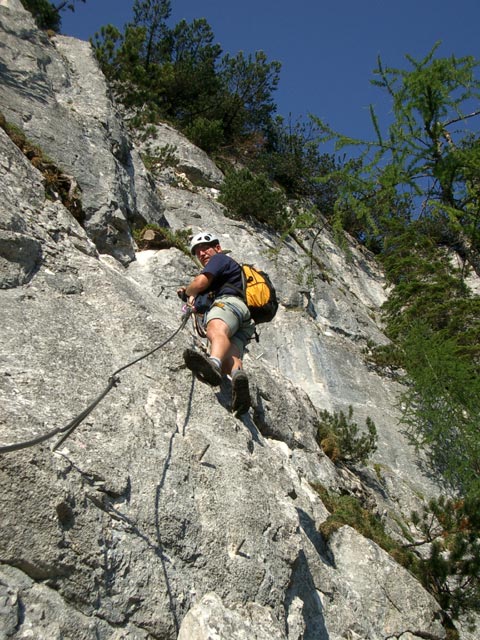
{"x": 347, "y": 510}
{"x": 206, "y": 134}
{"x": 451, "y": 569}
{"x": 46, "y": 14}
{"x": 424, "y": 166}
{"x": 166, "y": 156}
{"x": 442, "y": 405}
{"x": 413, "y": 197}
{"x": 290, "y": 157}
{"x": 446, "y": 559}
{"x": 223, "y": 103}
{"x": 153, "y": 236}
{"x": 179, "y": 74}
{"x": 247, "y": 195}
{"x": 341, "y": 440}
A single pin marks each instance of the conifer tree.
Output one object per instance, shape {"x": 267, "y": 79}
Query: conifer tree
{"x": 428, "y": 156}
{"x": 176, "y": 73}
{"x": 413, "y": 193}
{"x": 450, "y": 566}
{"x": 47, "y": 14}
{"x": 248, "y": 84}
{"x": 152, "y": 16}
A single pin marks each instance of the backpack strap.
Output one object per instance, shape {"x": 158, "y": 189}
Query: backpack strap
{"x": 242, "y": 293}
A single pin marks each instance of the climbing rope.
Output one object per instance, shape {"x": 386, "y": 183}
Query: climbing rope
{"x": 113, "y": 380}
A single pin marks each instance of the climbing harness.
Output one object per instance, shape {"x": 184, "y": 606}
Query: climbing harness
{"x": 112, "y": 382}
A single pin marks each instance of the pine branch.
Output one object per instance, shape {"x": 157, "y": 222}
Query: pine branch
{"x": 454, "y": 120}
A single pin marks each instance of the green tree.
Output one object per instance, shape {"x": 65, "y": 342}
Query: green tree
{"x": 246, "y": 102}
{"x": 106, "y": 44}
{"x": 190, "y": 82}
{"x": 427, "y": 157}
{"x": 442, "y": 405}
{"x": 450, "y": 567}
{"x": 428, "y": 285}
{"x": 121, "y": 57}
{"x": 176, "y": 73}
{"x": 46, "y": 14}
{"x": 413, "y": 194}
{"x": 433, "y": 156}
{"x": 290, "y": 156}
{"x": 251, "y": 196}
{"x": 152, "y": 16}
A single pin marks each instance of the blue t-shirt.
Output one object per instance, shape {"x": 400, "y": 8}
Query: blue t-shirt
{"x": 225, "y": 271}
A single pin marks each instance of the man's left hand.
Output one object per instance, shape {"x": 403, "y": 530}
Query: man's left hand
{"x": 182, "y": 294}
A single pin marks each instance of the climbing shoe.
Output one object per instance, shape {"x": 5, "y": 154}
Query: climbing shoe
{"x": 240, "y": 393}
{"x": 205, "y": 369}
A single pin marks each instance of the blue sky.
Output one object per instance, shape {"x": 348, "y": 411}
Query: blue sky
{"x": 327, "y": 49}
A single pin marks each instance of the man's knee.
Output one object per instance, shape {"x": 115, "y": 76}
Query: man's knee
{"x": 217, "y": 327}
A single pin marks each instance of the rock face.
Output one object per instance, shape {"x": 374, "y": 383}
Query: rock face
{"x": 53, "y": 91}
{"x": 174, "y": 148}
{"x": 162, "y": 515}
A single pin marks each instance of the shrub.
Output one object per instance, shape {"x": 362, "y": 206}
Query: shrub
{"x": 246, "y": 195}
{"x": 162, "y": 238}
{"x": 451, "y": 571}
{"x": 339, "y": 437}
{"x": 347, "y": 510}
{"x": 448, "y": 566}
{"x": 290, "y": 156}
{"x": 45, "y": 14}
{"x": 165, "y": 156}
{"x": 206, "y": 134}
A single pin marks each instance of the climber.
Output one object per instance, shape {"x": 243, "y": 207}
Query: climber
{"x": 215, "y": 294}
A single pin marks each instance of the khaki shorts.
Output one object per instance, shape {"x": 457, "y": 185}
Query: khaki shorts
{"x": 234, "y": 312}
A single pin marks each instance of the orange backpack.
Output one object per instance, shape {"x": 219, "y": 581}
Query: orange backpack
{"x": 259, "y": 294}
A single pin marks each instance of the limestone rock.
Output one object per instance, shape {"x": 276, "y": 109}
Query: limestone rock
{"x": 58, "y": 81}
{"x": 186, "y": 158}
{"x": 378, "y": 598}
{"x": 18, "y": 256}
{"x": 162, "y": 515}
{"x": 211, "y": 620}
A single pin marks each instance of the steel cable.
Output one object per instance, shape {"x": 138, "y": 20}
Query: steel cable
{"x": 113, "y": 380}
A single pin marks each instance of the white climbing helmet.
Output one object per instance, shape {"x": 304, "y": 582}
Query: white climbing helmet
{"x": 205, "y": 237}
